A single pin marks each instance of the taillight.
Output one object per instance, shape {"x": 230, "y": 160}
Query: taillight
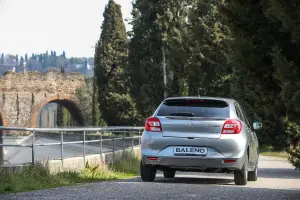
{"x": 232, "y": 127}
{"x": 153, "y": 125}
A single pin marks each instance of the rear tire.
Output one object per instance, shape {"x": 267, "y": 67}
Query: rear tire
{"x": 252, "y": 175}
{"x": 169, "y": 173}
{"x": 241, "y": 176}
{"x": 148, "y": 173}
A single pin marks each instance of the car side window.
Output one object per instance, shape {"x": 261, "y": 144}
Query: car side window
{"x": 245, "y": 116}
{"x": 239, "y": 112}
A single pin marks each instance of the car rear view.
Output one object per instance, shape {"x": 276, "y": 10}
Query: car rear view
{"x": 193, "y": 134}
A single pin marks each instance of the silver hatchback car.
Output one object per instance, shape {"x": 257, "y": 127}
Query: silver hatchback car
{"x": 201, "y": 134}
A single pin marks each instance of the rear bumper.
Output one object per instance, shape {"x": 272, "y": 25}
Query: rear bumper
{"x": 194, "y": 163}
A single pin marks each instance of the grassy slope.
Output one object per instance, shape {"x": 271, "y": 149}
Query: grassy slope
{"x": 275, "y": 154}
{"x": 269, "y": 151}
{"x": 37, "y": 177}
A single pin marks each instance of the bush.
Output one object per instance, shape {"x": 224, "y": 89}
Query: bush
{"x": 121, "y": 111}
{"x": 293, "y": 130}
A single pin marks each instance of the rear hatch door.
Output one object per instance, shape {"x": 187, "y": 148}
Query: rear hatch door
{"x": 193, "y": 118}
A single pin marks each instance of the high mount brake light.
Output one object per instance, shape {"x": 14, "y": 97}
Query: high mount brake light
{"x": 232, "y": 127}
{"x": 153, "y": 125}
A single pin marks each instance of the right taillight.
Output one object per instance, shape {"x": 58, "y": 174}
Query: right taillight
{"x": 153, "y": 125}
{"x": 232, "y": 127}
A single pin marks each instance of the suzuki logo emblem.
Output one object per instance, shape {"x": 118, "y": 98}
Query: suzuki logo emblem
{"x": 190, "y": 124}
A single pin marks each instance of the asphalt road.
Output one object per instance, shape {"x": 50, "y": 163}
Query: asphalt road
{"x": 277, "y": 181}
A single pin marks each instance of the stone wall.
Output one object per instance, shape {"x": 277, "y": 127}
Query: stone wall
{"x": 22, "y": 95}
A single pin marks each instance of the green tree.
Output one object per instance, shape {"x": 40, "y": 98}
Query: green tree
{"x": 110, "y": 63}
{"x": 89, "y": 105}
{"x": 255, "y": 33}
{"x": 95, "y": 102}
{"x": 173, "y": 21}
{"x": 285, "y": 17}
{"x": 21, "y": 62}
{"x": 26, "y": 57}
{"x": 207, "y": 70}
{"x": 155, "y": 31}
{"x": 2, "y": 59}
{"x": 17, "y": 59}
{"x": 59, "y": 115}
{"x": 192, "y": 38}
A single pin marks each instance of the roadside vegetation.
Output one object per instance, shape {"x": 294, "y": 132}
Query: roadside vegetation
{"x": 38, "y": 177}
{"x": 270, "y": 151}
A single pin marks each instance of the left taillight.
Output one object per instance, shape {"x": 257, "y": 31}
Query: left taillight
{"x": 153, "y": 125}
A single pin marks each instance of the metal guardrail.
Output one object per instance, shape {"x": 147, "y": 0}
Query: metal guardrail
{"x": 84, "y": 130}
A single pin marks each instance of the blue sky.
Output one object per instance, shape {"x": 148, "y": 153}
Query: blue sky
{"x": 34, "y": 26}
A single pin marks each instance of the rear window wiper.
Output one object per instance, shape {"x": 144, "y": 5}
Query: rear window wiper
{"x": 184, "y": 114}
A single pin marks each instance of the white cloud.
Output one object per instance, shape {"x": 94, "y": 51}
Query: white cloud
{"x": 35, "y": 26}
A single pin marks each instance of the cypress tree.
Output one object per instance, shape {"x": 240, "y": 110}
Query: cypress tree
{"x": 208, "y": 72}
{"x": 159, "y": 35}
{"x": 145, "y": 57}
{"x": 21, "y": 62}
{"x": 2, "y": 59}
{"x": 17, "y": 59}
{"x": 116, "y": 106}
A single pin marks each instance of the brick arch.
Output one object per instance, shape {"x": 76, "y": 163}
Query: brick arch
{"x": 3, "y": 119}
{"x": 67, "y": 101}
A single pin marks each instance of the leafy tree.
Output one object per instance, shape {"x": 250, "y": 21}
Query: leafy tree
{"x": 46, "y": 60}
{"x": 193, "y": 39}
{"x": 59, "y": 116}
{"x": 21, "y": 62}
{"x": 85, "y": 65}
{"x": 110, "y": 63}
{"x": 260, "y": 33}
{"x": 145, "y": 55}
{"x": 89, "y": 105}
{"x": 2, "y": 59}
{"x": 284, "y": 52}
{"x": 41, "y": 58}
{"x": 207, "y": 70}
{"x": 17, "y": 59}
{"x": 173, "y": 22}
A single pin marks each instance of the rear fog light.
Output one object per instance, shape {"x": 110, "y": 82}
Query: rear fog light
{"x": 229, "y": 161}
{"x": 152, "y": 158}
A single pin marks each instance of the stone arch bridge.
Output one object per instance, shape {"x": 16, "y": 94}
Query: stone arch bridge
{"x": 23, "y": 95}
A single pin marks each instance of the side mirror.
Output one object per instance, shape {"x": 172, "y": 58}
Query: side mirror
{"x": 257, "y": 125}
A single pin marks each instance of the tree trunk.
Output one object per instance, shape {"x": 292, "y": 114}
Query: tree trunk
{"x": 1, "y": 148}
{"x": 94, "y": 102}
{"x": 165, "y": 71}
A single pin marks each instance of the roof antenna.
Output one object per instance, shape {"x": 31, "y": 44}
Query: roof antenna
{"x": 199, "y": 92}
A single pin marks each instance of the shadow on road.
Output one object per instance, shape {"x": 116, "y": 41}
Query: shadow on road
{"x": 214, "y": 181}
{"x": 187, "y": 180}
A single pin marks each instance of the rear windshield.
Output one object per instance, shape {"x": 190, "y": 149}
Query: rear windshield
{"x": 194, "y": 108}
